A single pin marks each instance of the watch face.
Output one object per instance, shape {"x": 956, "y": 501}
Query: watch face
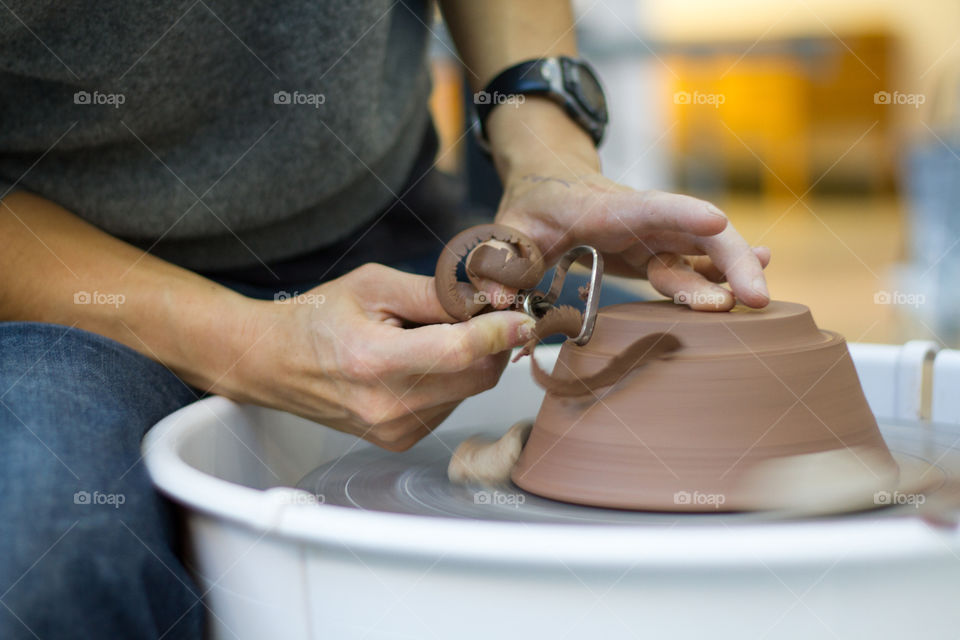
{"x": 580, "y": 81}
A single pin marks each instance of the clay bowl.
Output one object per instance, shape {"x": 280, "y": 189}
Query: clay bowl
{"x": 759, "y": 408}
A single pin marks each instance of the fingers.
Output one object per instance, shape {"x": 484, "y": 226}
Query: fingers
{"x": 733, "y": 257}
{"x": 435, "y": 388}
{"x": 497, "y": 295}
{"x": 704, "y": 265}
{"x": 448, "y": 348}
{"x": 675, "y": 278}
{"x": 429, "y": 400}
{"x": 398, "y": 294}
{"x": 645, "y": 211}
{"x": 402, "y": 433}
{"x": 763, "y": 255}
{"x": 668, "y": 215}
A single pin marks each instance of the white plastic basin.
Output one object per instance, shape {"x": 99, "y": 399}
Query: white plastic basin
{"x": 275, "y": 565}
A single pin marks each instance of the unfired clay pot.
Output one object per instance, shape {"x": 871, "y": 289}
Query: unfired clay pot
{"x": 749, "y": 389}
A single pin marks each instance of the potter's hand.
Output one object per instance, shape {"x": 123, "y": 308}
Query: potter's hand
{"x": 646, "y": 234}
{"x": 554, "y": 193}
{"x": 340, "y": 355}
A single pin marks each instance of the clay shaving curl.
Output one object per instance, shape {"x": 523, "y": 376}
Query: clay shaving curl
{"x": 567, "y": 320}
{"x": 522, "y": 271}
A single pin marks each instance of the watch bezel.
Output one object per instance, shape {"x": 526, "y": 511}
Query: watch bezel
{"x": 565, "y": 90}
{"x": 573, "y": 71}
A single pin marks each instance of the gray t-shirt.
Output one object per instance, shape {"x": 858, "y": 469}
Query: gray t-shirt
{"x": 215, "y": 132}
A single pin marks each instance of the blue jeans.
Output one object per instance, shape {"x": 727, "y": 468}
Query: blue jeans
{"x": 87, "y": 547}
{"x": 87, "y": 544}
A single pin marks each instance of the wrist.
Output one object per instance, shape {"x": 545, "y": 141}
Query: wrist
{"x": 535, "y": 135}
{"x": 242, "y": 350}
{"x": 213, "y": 332}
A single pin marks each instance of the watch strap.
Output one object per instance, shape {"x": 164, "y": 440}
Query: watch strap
{"x": 524, "y": 78}
{"x": 556, "y": 78}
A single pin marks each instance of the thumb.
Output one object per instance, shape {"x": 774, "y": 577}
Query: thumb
{"x": 447, "y": 348}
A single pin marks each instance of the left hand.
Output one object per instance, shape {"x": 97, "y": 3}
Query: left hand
{"x": 555, "y": 193}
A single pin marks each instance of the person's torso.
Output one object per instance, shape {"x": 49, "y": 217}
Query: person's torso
{"x": 189, "y": 119}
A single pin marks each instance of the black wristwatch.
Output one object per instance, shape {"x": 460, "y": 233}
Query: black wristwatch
{"x": 570, "y": 83}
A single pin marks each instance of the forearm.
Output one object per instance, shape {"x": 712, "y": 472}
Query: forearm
{"x": 60, "y": 269}
{"x": 495, "y": 34}
{"x": 553, "y": 189}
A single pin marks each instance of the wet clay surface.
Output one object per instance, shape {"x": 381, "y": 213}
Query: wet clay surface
{"x": 704, "y": 427}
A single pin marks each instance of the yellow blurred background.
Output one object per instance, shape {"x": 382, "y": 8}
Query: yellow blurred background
{"x": 826, "y": 130}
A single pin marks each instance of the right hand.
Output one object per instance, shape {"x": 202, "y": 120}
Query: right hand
{"x": 350, "y": 364}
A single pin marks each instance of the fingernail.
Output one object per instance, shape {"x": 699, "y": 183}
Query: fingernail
{"x": 760, "y": 287}
{"x": 714, "y": 211}
{"x": 525, "y": 330}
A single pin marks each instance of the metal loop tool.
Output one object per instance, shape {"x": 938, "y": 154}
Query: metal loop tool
{"x": 535, "y": 304}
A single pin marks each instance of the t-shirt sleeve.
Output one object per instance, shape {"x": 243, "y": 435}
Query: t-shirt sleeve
{"x": 7, "y": 187}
